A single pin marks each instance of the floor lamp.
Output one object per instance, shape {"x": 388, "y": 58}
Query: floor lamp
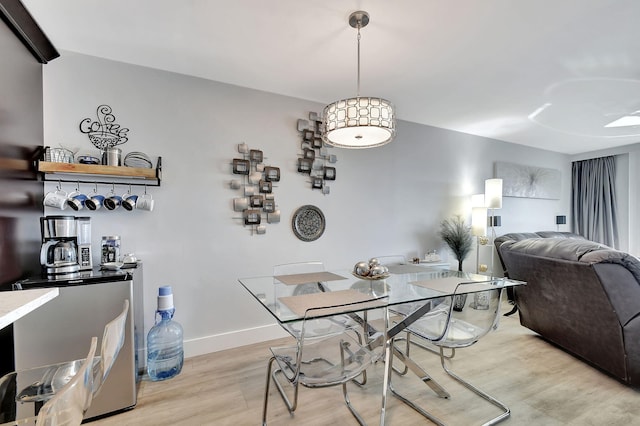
{"x": 479, "y": 227}
{"x": 493, "y": 201}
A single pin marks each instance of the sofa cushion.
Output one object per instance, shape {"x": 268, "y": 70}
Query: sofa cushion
{"x": 559, "y": 248}
{"x": 558, "y": 234}
{"x": 514, "y": 236}
{"x": 614, "y": 256}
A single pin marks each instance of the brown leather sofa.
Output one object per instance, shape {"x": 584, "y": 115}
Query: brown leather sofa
{"x": 580, "y": 295}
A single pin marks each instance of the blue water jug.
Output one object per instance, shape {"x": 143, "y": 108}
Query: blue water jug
{"x": 165, "y": 353}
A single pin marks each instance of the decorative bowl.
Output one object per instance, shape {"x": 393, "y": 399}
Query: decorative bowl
{"x": 373, "y": 278}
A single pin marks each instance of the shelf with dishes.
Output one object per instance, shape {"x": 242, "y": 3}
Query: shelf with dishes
{"x": 98, "y": 173}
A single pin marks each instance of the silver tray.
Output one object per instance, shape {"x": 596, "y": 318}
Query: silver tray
{"x": 374, "y": 278}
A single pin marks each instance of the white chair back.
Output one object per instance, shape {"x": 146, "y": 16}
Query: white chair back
{"x": 68, "y": 405}
{"x": 112, "y": 342}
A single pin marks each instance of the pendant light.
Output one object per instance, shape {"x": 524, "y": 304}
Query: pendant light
{"x": 360, "y": 122}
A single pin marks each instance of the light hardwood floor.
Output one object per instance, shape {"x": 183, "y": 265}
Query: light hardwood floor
{"x": 541, "y": 384}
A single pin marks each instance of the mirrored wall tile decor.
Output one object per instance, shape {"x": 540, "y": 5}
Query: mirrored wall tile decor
{"x": 240, "y": 204}
{"x": 269, "y": 206}
{"x": 257, "y": 200}
{"x": 329, "y": 173}
{"x": 314, "y": 157}
{"x": 272, "y": 174}
{"x": 255, "y": 155}
{"x": 252, "y": 217}
{"x": 273, "y": 217}
{"x": 241, "y": 166}
{"x": 255, "y": 182}
{"x": 304, "y": 165}
{"x": 265, "y": 186}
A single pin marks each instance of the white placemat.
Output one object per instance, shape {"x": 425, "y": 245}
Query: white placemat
{"x": 300, "y": 304}
{"x": 309, "y": 277}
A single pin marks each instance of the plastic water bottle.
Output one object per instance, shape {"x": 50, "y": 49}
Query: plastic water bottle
{"x": 165, "y": 354}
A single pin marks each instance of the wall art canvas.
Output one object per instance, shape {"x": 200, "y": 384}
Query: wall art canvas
{"x": 523, "y": 181}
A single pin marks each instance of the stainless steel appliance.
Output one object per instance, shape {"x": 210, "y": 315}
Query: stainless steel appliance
{"x": 59, "y": 331}
{"x": 59, "y": 251}
{"x": 66, "y": 245}
{"x": 84, "y": 243}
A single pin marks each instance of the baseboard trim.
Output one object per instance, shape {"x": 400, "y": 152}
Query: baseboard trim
{"x": 233, "y": 339}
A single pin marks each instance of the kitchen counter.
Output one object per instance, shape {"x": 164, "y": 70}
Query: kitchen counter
{"x": 16, "y": 304}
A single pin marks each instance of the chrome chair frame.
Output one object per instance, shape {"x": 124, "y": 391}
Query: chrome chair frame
{"x": 442, "y": 341}
{"x": 336, "y": 323}
{"x": 296, "y": 374}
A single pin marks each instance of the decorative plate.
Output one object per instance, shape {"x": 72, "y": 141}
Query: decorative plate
{"x": 308, "y": 223}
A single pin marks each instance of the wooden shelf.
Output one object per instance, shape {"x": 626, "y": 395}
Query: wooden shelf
{"x": 133, "y": 174}
{"x": 93, "y": 169}
{"x": 14, "y": 164}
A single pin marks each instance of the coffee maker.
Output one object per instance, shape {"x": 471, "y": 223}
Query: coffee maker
{"x": 59, "y": 252}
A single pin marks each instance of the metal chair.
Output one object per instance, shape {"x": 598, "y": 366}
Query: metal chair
{"x": 405, "y": 309}
{"x": 40, "y": 384}
{"x": 331, "y": 360}
{"x": 68, "y": 405}
{"x": 448, "y": 328}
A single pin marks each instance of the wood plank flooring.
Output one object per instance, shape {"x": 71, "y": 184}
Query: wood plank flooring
{"x": 541, "y": 384}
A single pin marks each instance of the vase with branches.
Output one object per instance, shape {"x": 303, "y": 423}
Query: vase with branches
{"x": 457, "y": 235}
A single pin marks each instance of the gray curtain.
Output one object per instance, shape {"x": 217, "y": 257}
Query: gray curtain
{"x": 593, "y": 209}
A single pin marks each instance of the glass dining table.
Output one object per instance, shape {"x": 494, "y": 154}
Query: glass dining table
{"x": 409, "y": 288}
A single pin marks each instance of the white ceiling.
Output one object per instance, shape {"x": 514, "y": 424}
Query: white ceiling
{"x": 544, "y": 73}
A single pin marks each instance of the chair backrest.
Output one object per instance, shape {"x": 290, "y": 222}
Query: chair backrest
{"x": 298, "y": 268}
{"x": 316, "y": 348}
{"x": 463, "y": 318}
{"x": 69, "y": 404}
{"x": 364, "y": 304}
{"x": 112, "y": 342}
{"x": 395, "y": 259}
{"x": 479, "y": 315}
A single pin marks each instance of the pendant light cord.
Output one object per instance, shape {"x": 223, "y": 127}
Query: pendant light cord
{"x": 359, "y": 26}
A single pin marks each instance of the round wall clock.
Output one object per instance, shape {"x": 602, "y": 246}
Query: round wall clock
{"x": 308, "y": 223}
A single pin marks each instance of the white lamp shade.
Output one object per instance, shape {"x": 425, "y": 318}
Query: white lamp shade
{"x": 479, "y": 221}
{"x": 493, "y": 193}
{"x": 361, "y": 122}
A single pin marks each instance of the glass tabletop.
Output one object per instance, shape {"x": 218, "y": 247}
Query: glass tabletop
{"x": 282, "y": 296}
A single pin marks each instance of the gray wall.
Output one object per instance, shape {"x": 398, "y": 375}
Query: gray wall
{"x": 388, "y": 200}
